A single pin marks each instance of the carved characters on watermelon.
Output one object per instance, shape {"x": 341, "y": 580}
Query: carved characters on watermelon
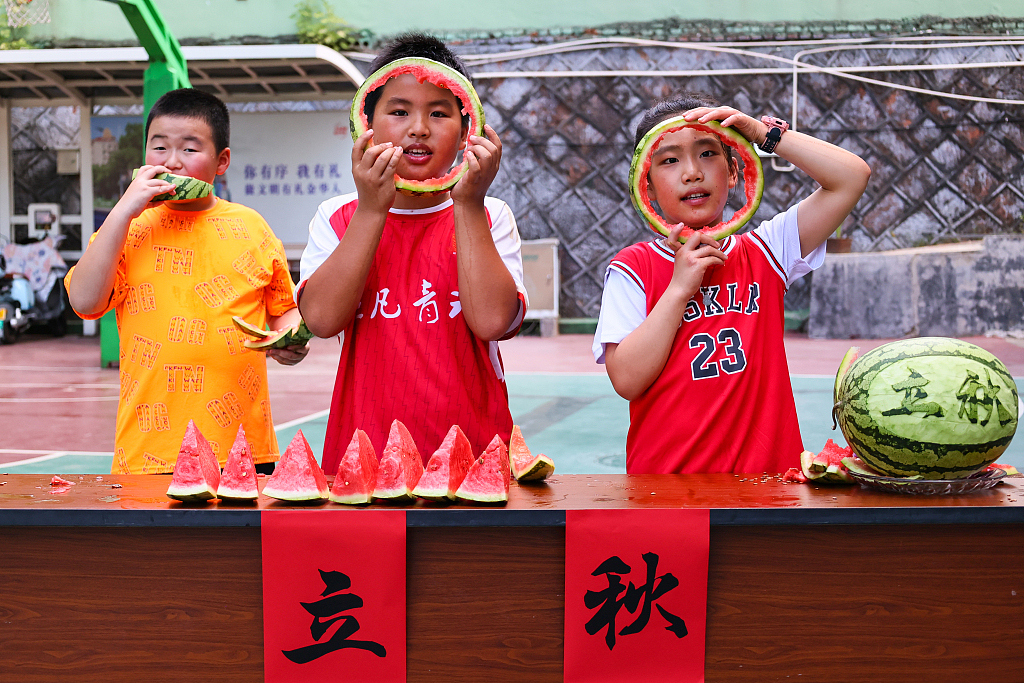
{"x": 973, "y": 395}
{"x": 608, "y": 603}
{"x": 914, "y": 397}
{"x": 328, "y": 611}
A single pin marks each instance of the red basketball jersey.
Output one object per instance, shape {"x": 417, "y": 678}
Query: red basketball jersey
{"x": 723, "y": 402}
{"x": 409, "y": 353}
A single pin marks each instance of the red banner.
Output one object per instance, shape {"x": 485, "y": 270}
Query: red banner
{"x": 333, "y": 595}
{"x": 636, "y": 593}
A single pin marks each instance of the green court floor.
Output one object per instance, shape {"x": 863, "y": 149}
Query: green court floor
{"x": 578, "y": 420}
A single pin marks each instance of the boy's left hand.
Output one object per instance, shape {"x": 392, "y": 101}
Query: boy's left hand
{"x": 747, "y": 126}
{"x": 483, "y": 156}
{"x": 289, "y": 355}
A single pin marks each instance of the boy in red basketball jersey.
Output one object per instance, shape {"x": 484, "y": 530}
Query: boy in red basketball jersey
{"x": 422, "y": 287}
{"x": 691, "y": 333}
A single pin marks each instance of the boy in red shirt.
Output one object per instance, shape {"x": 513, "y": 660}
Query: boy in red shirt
{"x": 691, "y": 334}
{"x": 422, "y": 286}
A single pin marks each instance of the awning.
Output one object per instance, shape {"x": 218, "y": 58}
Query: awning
{"x": 247, "y": 73}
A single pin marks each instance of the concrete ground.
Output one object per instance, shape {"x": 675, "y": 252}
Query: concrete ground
{"x": 57, "y": 405}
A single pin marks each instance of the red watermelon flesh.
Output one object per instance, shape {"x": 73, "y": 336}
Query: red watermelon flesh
{"x": 357, "y": 472}
{"x": 447, "y": 467}
{"x": 297, "y": 476}
{"x": 827, "y": 466}
{"x": 400, "y": 466}
{"x": 489, "y": 478}
{"x": 196, "y": 471}
{"x": 238, "y": 480}
{"x": 525, "y": 465}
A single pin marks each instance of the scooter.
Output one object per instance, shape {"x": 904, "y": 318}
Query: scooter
{"x": 32, "y": 289}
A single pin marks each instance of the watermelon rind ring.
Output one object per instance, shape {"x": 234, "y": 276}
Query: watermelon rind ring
{"x": 443, "y": 77}
{"x": 753, "y": 177}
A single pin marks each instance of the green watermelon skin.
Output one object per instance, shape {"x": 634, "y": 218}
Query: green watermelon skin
{"x": 447, "y": 468}
{"x": 186, "y": 188}
{"x": 357, "y": 472}
{"x": 297, "y": 477}
{"x": 489, "y": 479}
{"x": 196, "y": 471}
{"x": 932, "y": 407}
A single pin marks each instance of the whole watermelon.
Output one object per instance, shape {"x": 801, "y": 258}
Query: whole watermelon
{"x": 932, "y": 407}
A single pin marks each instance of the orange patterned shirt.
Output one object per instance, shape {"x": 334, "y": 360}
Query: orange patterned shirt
{"x": 181, "y": 277}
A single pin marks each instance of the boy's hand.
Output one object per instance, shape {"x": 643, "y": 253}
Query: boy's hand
{"x": 693, "y": 260}
{"x": 373, "y": 170}
{"x": 142, "y": 189}
{"x": 749, "y": 127}
{"x": 482, "y": 156}
{"x": 289, "y": 355}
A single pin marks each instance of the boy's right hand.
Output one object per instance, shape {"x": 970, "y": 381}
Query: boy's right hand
{"x": 142, "y": 189}
{"x": 693, "y": 259}
{"x": 373, "y": 170}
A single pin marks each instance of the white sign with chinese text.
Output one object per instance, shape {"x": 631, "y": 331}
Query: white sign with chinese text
{"x": 284, "y": 164}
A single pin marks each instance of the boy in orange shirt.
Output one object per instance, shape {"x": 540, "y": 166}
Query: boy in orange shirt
{"x": 175, "y": 273}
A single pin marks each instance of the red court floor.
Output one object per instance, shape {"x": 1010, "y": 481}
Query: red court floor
{"x": 55, "y": 397}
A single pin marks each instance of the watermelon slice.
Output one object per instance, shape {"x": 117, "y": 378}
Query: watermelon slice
{"x": 185, "y": 188}
{"x": 250, "y": 329}
{"x": 525, "y": 466}
{"x": 196, "y": 471}
{"x": 489, "y": 478}
{"x": 844, "y": 365}
{"x": 443, "y": 77}
{"x": 238, "y": 480}
{"x": 273, "y": 339}
{"x": 753, "y": 177}
{"x": 827, "y": 467}
{"x": 400, "y": 466}
{"x": 447, "y": 468}
{"x": 297, "y": 476}
{"x": 357, "y": 472}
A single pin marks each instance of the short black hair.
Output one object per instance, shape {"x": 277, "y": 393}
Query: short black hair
{"x": 413, "y": 44}
{"x": 189, "y": 103}
{"x": 676, "y": 106}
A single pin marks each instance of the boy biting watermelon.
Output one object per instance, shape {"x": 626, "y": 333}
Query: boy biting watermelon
{"x": 175, "y": 272}
{"x": 692, "y": 334}
{"x": 422, "y": 285}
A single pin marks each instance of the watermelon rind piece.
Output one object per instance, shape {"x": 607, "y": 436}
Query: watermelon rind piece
{"x": 443, "y": 77}
{"x": 826, "y": 467}
{"x": 196, "y": 471}
{"x": 489, "y": 479}
{"x": 238, "y": 480}
{"x": 400, "y": 467}
{"x": 524, "y": 465}
{"x": 931, "y": 407}
{"x": 844, "y": 366}
{"x": 639, "y": 169}
{"x": 292, "y": 336}
{"x": 250, "y": 329}
{"x": 855, "y": 464}
{"x": 446, "y": 468}
{"x": 186, "y": 188}
{"x": 357, "y": 472}
{"x": 297, "y": 476}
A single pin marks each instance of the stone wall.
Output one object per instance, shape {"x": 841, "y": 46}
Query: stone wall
{"x": 957, "y": 290}
{"x": 943, "y": 169}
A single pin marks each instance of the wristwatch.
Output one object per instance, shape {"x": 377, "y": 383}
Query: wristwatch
{"x": 776, "y": 127}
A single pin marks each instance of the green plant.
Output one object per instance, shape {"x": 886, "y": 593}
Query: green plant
{"x": 318, "y": 24}
{"x": 11, "y": 38}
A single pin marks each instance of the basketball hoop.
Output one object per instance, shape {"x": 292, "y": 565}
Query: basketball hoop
{"x": 25, "y": 12}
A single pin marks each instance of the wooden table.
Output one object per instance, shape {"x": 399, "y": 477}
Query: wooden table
{"x": 806, "y": 583}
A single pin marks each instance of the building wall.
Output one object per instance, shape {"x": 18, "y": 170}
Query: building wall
{"x": 78, "y": 21}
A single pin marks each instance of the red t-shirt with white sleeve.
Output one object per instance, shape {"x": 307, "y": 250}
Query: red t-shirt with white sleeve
{"x": 409, "y": 353}
{"x": 724, "y": 401}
